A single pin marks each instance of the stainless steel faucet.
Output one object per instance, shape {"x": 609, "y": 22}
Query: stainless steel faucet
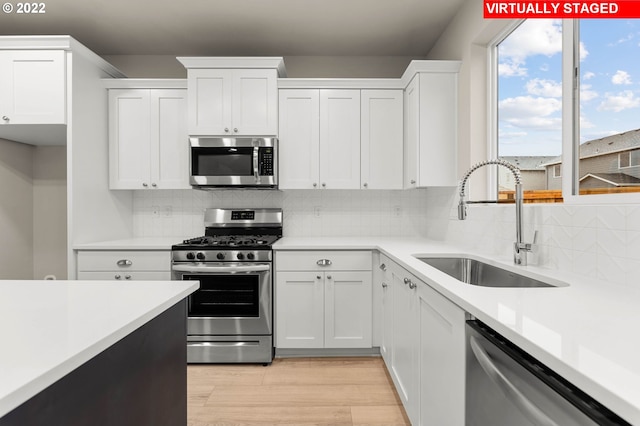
{"x": 520, "y": 248}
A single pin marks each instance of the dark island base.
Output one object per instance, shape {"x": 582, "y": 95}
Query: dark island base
{"x": 140, "y": 380}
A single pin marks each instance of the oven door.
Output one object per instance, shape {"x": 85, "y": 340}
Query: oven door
{"x": 233, "y": 298}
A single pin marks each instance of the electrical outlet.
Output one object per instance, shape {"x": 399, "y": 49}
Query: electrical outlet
{"x": 167, "y": 211}
{"x": 397, "y": 210}
{"x": 155, "y": 211}
{"x": 316, "y": 211}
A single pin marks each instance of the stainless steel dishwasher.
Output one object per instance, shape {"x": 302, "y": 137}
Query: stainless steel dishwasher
{"x": 506, "y": 387}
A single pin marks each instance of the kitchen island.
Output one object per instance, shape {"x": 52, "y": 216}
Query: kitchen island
{"x": 93, "y": 352}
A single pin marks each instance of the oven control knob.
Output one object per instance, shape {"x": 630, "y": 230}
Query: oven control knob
{"x": 200, "y": 256}
{"x": 250, "y": 256}
{"x": 191, "y": 256}
{"x": 220, "y": 256}
{"x": 240, "y": 256}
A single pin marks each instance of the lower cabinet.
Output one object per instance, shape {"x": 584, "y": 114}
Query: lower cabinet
{"x": 423, "y": 346}
{"x": 328, "y": 305}
{"x": 124, "y": 265}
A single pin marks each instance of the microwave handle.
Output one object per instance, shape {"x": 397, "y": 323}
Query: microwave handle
{"x": 256, "y": 154}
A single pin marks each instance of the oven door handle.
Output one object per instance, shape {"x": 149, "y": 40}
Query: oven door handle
{"x": 213, "y": 269}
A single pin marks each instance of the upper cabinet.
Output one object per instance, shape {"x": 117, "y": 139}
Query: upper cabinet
{"x": 340, "y": 138}
{"x": 319, "y": 139}
{"x": 32, "y": 87}
{"x": 233, "y": 96}
{"x": 381, "y": 136}
{"x": 148, "y": 141}
{"x": 431, "y": 111}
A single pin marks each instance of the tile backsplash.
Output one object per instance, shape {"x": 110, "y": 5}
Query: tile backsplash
{"x": 595, "y": 241}
{"x": 306, "y": 212}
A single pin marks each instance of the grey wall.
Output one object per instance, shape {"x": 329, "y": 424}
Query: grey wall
{"x": 16, "y": 210}
{"x": 50, "y": 212}
{"x": 158, "y": 66}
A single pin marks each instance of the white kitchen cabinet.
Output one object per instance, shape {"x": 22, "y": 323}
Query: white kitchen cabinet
{"x": 148, "y": 140}
{"x": 323, "y": 300}
{"x": 32, "y": 87}
{"x": 233, "y": 102}
{"x": 381, "y": 139}
{"x": 430, "y": 140}
{"x": 386, "y": 309}
{"x": 405, "y": 362}
{"x": 442, "y": 359}
{"x": 128, "y": 265}
{"x": 319, "y": 138}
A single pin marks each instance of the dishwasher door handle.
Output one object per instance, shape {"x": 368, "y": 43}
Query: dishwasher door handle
{"x": 528, "y": 408}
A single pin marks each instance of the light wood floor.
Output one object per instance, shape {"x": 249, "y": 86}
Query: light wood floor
{"x": 294, "y": 391}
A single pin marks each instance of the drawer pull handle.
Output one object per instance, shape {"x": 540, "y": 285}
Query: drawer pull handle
{"x": 323, "y": 262}
{"x": 383, "y": 267}
{"x": 117, "y": 277}
{"x": 124, "y": 262}
{"x": 384, "y": 285}
{"x": 127, "y": 277}
{"x": 407, "y": 281}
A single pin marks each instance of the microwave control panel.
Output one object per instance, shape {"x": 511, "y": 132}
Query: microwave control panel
{"x": 265, "y": 161}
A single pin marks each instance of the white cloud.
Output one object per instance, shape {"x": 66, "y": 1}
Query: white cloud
{"x": 621, "y": 77}
{"x": 546, "y": 88}
{"x": 504, "y": 136}
{"x": 588, "y": 75}
{"x": 532, "y": 37}
{"x": 586, "y": 94}
{"x": 619, "y": 102}
{"x": 583, "y": 52}
{"x": 531, "y": 112}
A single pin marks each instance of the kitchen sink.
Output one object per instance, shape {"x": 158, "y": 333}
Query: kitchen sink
{"x": 476, "y": 272}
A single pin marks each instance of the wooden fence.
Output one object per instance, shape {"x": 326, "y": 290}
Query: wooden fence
{"x": 555, "y": 196}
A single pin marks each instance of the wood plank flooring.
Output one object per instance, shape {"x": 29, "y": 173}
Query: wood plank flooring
{"x": 294, "y": 391}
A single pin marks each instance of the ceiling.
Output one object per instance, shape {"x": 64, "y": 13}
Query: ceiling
{"x": 243, "y": 27}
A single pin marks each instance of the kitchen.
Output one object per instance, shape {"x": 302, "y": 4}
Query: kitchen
{"x": 171, "y": 215}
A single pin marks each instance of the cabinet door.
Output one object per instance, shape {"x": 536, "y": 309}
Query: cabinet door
{"x": 406, "y": 345}
{"x": 412, "y": 132}
{"x": 255, "y": 102}
{"x": 340, "y": 139}
{"x": 442, "y": 359}
{"x": 382, "y": 143}
{"x": 129, "y": 139}
{"x": 299, "y": 310}
{"x": 210, "y": 101}
{"x": 32, "y": 87}
{"x": 299, "y": 138}
{"x": 386, "y": 342}
{"x": 438, "y": 129}
{"x": 170, "y": 142}
{"x": 348, "y": 319}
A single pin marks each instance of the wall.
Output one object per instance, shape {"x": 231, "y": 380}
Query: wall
{"x": 600, "y": 241}
{"x": 158, "y": 66}
{"x": 306, "y": 212}
{"x": 16, "y": 210}
{"x": 50, "y": 212}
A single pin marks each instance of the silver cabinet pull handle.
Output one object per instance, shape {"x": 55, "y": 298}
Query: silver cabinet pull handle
{"x": 413, "y": 181}
{"x": 124, "y": 262}
{"x": 117, "y": 277}
{"x": 328, "y": 277}
{"x": 318, "y": 277}
{"x": 383, "y": 267}
{"x": 5, "y": 118}
{"x": 154, "y": 184}
{"x": 412, "y": 285}
{"x": 384, "y": 285}
{"x": 145, "y": 184}
{"x": 407, "y": 281}
{"x": 127, "y": 277}
{"x": 235, "y": 130}
{"x": 323, "y": 262}
{"x": 315, "y": 185}
{"x": 226, "y": 130}
{"x": 527, "y": 407}
{"x": 324, "y": 185}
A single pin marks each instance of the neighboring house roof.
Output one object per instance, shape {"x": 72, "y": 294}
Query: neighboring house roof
{"x": 610, "y": 144}
{"x": 528, "y": 162}
{"x": 615, "y": 179}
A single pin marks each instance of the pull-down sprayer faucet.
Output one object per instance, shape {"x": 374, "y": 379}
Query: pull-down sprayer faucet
{"x": 520, "y": 248}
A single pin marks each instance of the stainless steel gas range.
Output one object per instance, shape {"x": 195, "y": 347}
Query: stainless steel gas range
{"x": 230, "y": 317}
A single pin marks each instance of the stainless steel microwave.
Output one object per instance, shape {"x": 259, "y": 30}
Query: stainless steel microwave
{"x": 234, "y": 162}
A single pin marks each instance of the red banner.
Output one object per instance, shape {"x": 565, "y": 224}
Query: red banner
{"x": 517, "y": 9}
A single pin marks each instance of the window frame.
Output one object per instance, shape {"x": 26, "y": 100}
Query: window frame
{"x": 570, "y": 118}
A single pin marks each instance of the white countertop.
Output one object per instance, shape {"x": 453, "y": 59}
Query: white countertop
{"x": 49, "y": 328}
{"x": 586, "y": 332}
{"x": 138, "y": 243}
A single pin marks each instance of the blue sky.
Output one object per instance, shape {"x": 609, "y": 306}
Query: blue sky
{"x": 529, "y": 94}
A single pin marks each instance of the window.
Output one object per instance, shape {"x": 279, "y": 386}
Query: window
{"x": 629, "y": 159}
{"x": 596, "y": 147}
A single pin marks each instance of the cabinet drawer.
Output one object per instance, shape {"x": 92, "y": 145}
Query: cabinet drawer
{"x": 106, "y": 260}
{"x": 126, "y": 276}
{"x": 337, "y": 261}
